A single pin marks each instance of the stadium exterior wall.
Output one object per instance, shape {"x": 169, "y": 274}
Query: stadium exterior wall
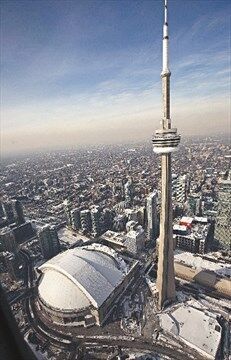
{"x": 90, "y": 315}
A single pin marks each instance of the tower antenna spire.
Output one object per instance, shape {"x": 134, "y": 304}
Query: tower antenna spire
{"x": 166, "y": 12}
{"x": 165, "y": 58}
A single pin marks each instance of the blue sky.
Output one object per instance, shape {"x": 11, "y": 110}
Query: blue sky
{"x": 78, "y": 72}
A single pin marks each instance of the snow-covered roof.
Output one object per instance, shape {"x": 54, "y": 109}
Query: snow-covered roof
{"x": 195, "y": 327}
{"x": 79, "y": 277}
{"x": 197, "y": 262}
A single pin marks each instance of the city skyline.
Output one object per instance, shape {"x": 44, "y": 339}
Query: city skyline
{"x": 110, "y": 249}
{"x": 88, "y": 73}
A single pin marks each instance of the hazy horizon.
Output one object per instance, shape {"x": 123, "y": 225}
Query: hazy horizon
{"x": 89, "y": 72}
{"x": 219, "y": 137}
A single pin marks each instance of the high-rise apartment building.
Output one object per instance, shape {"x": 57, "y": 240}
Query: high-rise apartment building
{"x": 75, "y": 220}
{"x": 49, "y": 241}
{"x": 223, "y": 219}
{"x": 86, "y": 224}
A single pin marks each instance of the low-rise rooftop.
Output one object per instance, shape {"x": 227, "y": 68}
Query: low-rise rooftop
{"x": 196, "y": 328}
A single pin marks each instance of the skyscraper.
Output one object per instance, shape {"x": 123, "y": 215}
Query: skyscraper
{"x": 223, "y": 219}
{"x": 165, "y": 141}
{"x": 179, "y": 188}
{"x": 96, "y": 219}
{"x": 13, "y": 211}
{"x": 49, "y": 241}
{"x": 129, "y": 191}
{"x": 18, "y": 209}
{"x": 86, "y": 224}
{"x": 152, "y": 218}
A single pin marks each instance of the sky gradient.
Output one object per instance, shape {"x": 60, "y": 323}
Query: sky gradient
{"x": 88, "y": 72}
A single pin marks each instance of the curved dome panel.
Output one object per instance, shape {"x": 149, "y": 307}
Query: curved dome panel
{"x": 60, "y": 293}
{"x": 79, "y": 277}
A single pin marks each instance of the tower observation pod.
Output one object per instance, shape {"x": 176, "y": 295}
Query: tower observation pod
{"x": 165, "y": 141}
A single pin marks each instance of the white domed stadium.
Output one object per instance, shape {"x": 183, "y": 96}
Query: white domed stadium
{"x": 81, "y": 286}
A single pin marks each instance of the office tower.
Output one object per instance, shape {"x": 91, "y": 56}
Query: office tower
{"x": 8, "y": 211}
{"x": 129, "y": 191}
{"x": 152, "y": 216}
{"x": 223, "y": 219}
{"x": 18, "y": 210}
{"x": 75, "y": 221}
{"x": 86, "y": 225}
{"x": 194, "y": 202}
{"x": 7, "y": 240}
{"x": 165, "y": 142}
{"x": 96, "y": 219}
{"x": 49, "y": 241}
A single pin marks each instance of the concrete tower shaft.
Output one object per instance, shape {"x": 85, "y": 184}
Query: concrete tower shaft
{"x": 165, "y": 142}
{"x": 165, "y": 275}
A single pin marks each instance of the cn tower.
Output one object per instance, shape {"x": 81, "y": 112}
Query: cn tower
{"x": 165, "y": 141}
